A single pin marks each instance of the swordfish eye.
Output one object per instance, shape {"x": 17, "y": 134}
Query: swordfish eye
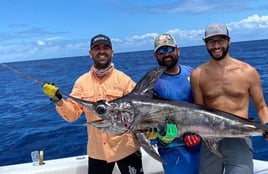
{"x": 100, "y": 109}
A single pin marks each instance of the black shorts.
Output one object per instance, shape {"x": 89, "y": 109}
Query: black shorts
{"x": 128, "y": 165}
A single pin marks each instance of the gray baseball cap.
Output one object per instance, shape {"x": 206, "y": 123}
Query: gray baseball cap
{"x": 216, "y": 29}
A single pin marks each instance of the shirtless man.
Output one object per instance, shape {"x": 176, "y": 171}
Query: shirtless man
{"x": 227, "y": 84}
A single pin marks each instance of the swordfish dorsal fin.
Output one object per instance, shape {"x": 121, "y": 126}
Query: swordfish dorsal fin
{"x": 146, "y": 84}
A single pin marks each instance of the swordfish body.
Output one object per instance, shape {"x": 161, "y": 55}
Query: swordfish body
{"x": 139, "y": 111}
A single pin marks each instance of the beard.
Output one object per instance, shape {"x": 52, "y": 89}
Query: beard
{"x": 218, "y": 58}
{"x": 102, "y": 63}
{"x": 169, "y": 64}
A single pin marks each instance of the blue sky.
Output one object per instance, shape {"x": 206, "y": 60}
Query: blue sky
{"x": 42, "y": 29}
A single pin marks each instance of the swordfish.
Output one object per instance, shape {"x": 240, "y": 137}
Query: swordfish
{"x": 139, "y": 111}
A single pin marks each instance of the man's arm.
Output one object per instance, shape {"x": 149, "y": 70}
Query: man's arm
{"x": 69, "y": 112}
{"x": 196, "y": 91}
{"x": 257, "y": 97}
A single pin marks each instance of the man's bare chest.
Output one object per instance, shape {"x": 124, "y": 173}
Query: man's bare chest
{"x": 232, "y": 86}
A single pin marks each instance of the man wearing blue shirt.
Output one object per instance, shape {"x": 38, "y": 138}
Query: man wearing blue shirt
{"x": 180, "y": 154}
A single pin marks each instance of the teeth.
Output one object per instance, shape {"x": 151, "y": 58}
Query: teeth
{"x": 102, "y": 56}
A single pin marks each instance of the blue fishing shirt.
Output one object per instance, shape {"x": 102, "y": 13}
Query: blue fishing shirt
{"x": 174, "y": 87}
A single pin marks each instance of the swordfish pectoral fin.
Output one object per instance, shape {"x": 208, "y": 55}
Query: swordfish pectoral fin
{"x": 147, "y": 147}
{"x": 212, "y": 145}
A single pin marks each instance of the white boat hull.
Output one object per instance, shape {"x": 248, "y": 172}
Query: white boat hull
{"x": 78, "y": 165}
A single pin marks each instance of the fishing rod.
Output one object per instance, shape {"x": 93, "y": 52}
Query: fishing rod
{"x": 27, "y": 76}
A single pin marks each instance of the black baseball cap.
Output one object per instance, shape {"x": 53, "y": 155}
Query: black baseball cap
{"x": 100, "y": 38}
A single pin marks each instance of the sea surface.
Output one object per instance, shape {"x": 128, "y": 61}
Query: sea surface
{"x": 29, "y": 122}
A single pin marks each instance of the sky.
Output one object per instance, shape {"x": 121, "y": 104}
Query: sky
{"x": 43, "y": 29}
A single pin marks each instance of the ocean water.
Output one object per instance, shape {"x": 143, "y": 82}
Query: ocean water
{"x": 29, "y": 121}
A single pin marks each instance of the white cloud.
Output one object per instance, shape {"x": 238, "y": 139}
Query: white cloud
{"x": 54, "y": 38}
{"x": 41, "y": 43}
{"x": 253, "y": 27}
{"x": 251, "y": 22}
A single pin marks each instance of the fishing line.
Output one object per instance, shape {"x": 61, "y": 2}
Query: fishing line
{"x": 22, "y": 74}
{"x": 27, "y": 76}
{"x": 32, "y": 79}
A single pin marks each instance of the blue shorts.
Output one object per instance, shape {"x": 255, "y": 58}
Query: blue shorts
{"x": 180, "y": 160}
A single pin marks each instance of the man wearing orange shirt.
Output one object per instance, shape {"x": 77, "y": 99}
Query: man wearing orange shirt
{"x": 102, "y": 82}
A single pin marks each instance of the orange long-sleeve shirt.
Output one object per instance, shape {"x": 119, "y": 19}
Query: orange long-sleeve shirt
{"x": 101, "y": 145}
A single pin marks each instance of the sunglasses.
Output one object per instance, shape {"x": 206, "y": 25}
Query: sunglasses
{"x": 163, "y": 50}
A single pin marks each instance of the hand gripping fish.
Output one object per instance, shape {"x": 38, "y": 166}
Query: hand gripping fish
{"x": 139, "y": 111}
